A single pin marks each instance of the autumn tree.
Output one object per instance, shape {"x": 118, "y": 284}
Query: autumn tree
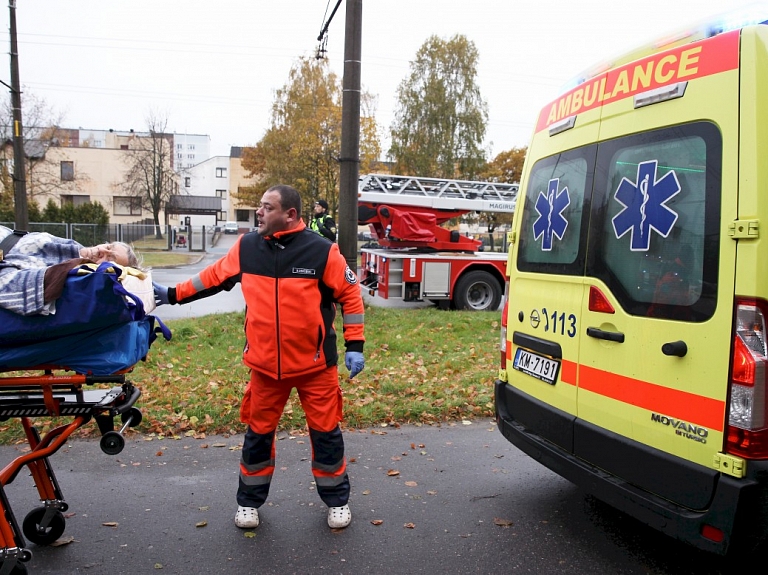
{"x": 302, "y": 144}
{"x": 149, "y": 162}
{"x": 440, "y": 117}
{"x": 505, "y": 168}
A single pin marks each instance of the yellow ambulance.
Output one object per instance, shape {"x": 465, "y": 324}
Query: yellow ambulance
{"x": 634, "y": 350}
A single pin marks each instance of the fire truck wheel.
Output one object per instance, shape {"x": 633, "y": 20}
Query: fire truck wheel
{"x": 477, "y": 291}
{"x": 43, "y": 535}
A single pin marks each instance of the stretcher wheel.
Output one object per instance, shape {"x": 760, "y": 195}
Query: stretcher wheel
{"x": 133, "y": 414}
{"x": 112, "y": 443}
{"x": 43, "y": 535}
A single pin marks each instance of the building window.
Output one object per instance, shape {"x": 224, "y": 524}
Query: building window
{"x": 222, "y": 217}
{"x": 241, "y": 215}
{"x": 221, "y": 194}
{"x": 187, "y": 182}
{"x": 179, "y": 156}
{"x": 127, "y": 206}
{"x": 69, "y": 200}
{"x": 221, "y": 172}
{"x": 190, "y": 156}
{"x": 67, "y": 171}
{"x": 123, "y": 146}
{"x": 191, "y": 147}
{"x": 179, "y": 147}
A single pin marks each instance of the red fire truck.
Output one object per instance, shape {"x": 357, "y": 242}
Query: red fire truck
{"x": 420, "y": 260}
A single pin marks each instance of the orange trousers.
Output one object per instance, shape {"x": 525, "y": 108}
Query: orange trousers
{"x": 261, "y": 409}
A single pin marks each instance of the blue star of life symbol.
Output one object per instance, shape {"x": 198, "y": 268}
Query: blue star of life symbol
{"x": 551, "y": 221}
{"x": 644, "y": 206}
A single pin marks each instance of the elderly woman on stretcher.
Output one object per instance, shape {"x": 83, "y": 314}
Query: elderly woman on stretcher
{"x": 34, "y": 270}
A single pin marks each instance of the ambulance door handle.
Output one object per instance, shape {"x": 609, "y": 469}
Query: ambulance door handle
{"x": 616, "y": 336}
{"x": 678, "y": 348}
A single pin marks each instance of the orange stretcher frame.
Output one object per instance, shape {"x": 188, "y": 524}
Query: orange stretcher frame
{"x": 51, "y": 395}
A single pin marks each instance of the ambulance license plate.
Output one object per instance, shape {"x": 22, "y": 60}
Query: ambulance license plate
{"x": 536, "y": 365}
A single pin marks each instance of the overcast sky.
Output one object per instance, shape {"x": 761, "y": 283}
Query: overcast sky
{"x": 212, "y": 67}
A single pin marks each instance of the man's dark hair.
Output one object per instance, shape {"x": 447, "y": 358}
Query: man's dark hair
{"x": 289, "y": 197}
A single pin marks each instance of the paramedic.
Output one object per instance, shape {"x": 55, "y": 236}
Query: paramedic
{"x": 321, "y": 223}
{"x": 291, "y": 281}
{"x": 33, "y": 270}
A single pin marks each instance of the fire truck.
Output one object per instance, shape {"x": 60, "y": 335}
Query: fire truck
{"x": 419, "y": 260}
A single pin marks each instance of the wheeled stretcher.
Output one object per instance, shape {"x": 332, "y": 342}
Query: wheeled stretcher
{"x": 51, "y": 395}
{"x": 78, "y": 371}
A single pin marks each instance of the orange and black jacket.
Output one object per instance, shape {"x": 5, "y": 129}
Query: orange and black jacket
{"x": 291, "y": 283}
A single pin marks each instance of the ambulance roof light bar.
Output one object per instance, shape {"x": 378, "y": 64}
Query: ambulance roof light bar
{"x": 733, "y": 20}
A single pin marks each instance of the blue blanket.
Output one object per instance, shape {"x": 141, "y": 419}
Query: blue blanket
{"x": 99, "y": 328}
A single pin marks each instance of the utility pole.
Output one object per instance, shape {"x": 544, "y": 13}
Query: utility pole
{"x": 19, "y": 175}
{"x": 350, "y": 133}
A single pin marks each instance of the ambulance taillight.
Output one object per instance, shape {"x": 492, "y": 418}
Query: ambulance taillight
{"x": 503, "y": 342}
{"x": 748, "y": 409}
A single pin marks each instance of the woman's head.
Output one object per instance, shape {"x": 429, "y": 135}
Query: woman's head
{"x": 117, "y": 252}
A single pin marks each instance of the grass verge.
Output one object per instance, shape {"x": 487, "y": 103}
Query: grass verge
{"x": 423, "y": 366}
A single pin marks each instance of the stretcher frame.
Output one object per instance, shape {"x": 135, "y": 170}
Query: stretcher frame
{"x": 54, "y": 395}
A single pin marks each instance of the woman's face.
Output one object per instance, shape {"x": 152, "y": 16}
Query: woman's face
{"x": 116, "y": 253}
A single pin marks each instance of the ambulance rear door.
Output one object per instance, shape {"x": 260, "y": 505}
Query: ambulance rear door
{"x": 547, "y": 280}
{"x": 656, "y": 321}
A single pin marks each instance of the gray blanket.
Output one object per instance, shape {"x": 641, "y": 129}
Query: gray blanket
{"x": 22, "y": 270}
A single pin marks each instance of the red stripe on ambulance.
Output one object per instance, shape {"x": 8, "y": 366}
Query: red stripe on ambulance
{"x": 703, "y": 411}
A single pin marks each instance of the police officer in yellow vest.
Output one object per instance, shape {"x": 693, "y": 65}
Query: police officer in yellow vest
{"x": 321, "y": 222}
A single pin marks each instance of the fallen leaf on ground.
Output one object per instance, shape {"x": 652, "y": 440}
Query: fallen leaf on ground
{"x": 367, "y": 492}
{"x": 62, "y": 541}
{"x": 411, "y": 483}
{"x": 219, "y": 444}
{"x": 110, "y": 524}
{"x": 502, "y": 522}
{"x": 158, "y": 454}
{"x": 410, "y": 526}
{"x": 201, "y": 524}
{"x": 377, "y": 521}
{"x": 393, "y": 472}
{"x": 249, "y": 534}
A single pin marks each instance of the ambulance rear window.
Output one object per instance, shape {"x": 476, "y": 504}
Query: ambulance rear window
{"x": 555, "y": 214}
{"x": 656, "y": 214}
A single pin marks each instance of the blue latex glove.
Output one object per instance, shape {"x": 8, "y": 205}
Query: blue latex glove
{"x": 355, "y": 362}
{"x": 161, "y": 294}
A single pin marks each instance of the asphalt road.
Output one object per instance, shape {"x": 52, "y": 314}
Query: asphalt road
{"x": 450, "y": 499}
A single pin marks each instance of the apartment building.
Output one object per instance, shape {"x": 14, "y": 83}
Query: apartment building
{"x": 81, "y": 165}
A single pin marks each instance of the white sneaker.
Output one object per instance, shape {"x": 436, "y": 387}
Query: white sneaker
{"x": 247, "y": 517}
{"x": 339, "y": 517}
